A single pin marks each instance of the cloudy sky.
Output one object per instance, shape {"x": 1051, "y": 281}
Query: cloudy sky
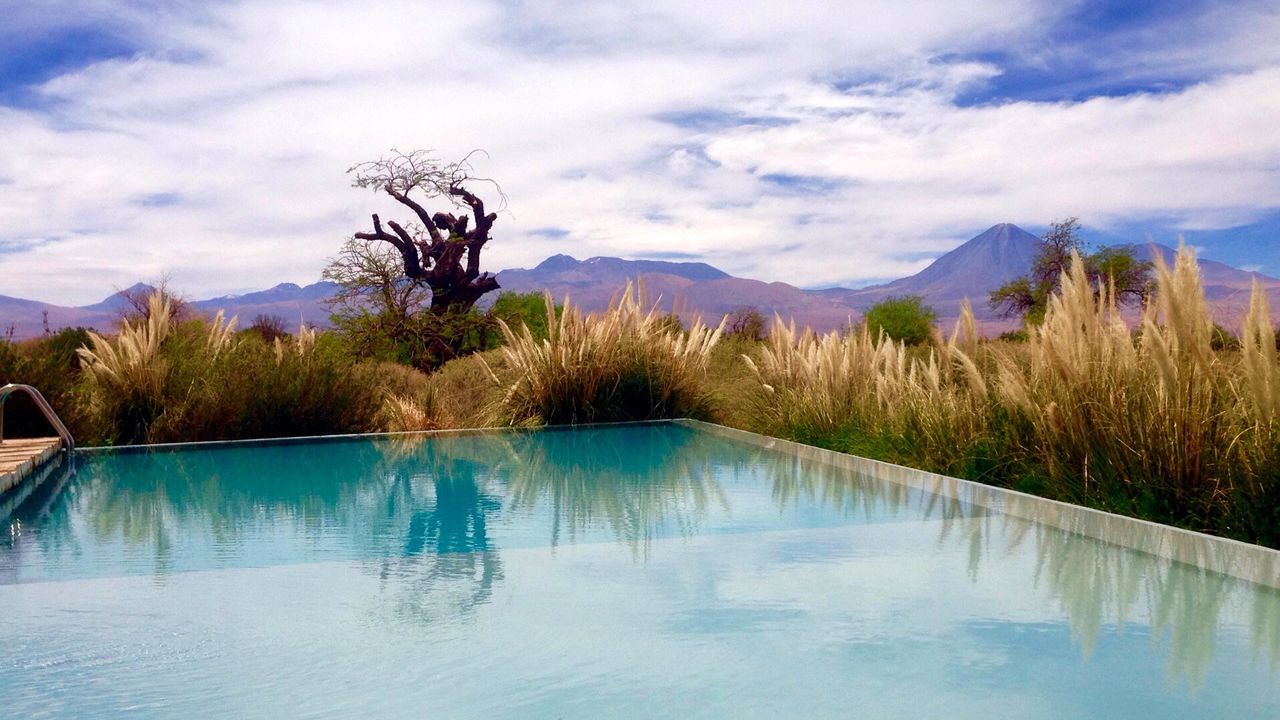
{"x": 814, "y": 143}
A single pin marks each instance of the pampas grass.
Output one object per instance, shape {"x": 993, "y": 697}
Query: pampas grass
{"x": 928, "y": 406}
{"x": 161, "y": 381}
{"x": 627, "y": 363}
{"x": 131, "y": 362}
{"x": 400, "y": 413}
{"x": 1147, "y": 421}
{"x": 1136, "y": 425}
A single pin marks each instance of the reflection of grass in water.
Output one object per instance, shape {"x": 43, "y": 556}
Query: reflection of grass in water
{"x": 638, "y": 481}
{"x": 142, "y": 498}
{"x": 425, "y": 505}
{"x": 1098, "y": 569}
{"x": 859, "y": 487}
{"x": 1265, "y": 627}
{"x": 1102, "y": 569}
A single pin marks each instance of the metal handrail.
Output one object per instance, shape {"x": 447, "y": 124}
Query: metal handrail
{"x": 68, "y": 443}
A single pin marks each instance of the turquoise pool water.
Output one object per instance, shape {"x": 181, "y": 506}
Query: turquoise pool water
{"x": 635, "y": 571}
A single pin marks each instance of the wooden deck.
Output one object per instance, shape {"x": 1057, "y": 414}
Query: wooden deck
{"x": 23, "y": 456}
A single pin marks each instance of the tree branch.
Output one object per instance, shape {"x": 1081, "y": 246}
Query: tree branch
{"x": 413, "y": 205}
{"x": 412, "y": 266}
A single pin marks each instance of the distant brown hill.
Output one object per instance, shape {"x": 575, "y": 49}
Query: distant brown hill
{"x": 972, "y": 270}
{"x": 295, "y": 304}
{"x": 692, "y": 289}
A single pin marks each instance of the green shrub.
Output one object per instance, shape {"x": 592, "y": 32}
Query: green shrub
{"x": 423, "y": 340}
{"x": 905, "y": 319}
{"x": 516, "y": 309}
{"x": 51, "y": 366}
{"x": 464, "y": 391}
{"x": 1223, "y": 339}
{"x": 746, "y": 323}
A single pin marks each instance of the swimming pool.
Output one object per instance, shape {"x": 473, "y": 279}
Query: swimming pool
{"x": 651, "y": 570}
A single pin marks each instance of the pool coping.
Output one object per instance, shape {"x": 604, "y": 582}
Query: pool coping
{"x": 1245, "y": 561}
{"x": 344, "y": 437}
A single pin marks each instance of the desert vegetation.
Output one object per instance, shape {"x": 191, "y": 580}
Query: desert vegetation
{"x": 1170, "y": 418}
{"x": 1147, "y": 421}
{"x": 628, "y": 363}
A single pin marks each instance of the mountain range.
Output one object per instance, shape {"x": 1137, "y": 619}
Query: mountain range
{"x": 972, "y": 270}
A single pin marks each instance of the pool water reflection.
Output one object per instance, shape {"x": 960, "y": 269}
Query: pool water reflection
{"x": 629, "y": 571}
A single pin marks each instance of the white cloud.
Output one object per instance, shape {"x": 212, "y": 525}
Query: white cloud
{"x": 250, "y": 112}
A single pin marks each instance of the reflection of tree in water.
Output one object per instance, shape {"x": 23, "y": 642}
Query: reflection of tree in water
{"x": 1101, "y": 570}
{"x": 642, "y": 482}
{"x": 447, "y": 564}
{"x": 425, "y": 507}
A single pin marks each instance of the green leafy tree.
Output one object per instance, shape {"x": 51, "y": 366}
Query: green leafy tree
{"x": 528, "y": 309}
{"x": 904, "y": 318}
{"x": 1028, "y": 296}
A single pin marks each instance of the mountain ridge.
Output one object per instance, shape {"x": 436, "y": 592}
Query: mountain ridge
{"x": 972, "y": 269}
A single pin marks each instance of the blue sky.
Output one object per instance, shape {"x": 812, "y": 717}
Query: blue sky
{"x": 831, "y": 143}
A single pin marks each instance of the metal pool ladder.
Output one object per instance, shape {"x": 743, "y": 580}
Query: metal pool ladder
{"x": 68, "y": 443}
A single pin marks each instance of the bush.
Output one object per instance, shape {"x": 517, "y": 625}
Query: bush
{"x": 51, "y": 366}
{"x": 747, "y": 323}
{"x": 268, "y": 327}
{"x": 905, "y": 319}
{"x": 465, "y": 395}
{"x": 624, "y": 364}
{"x": 160, "y": 381}
{"x": 422, "y": 340}
{"x": 1222, "y": 339}
{"x": 516, "y": 309}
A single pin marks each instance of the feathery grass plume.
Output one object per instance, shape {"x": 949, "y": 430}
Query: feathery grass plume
{"x": 1125, "y": 426}
{"x": 627, "y": 363}
{"x": 127, "y": 376}
{"x": 306, "y": 339}
{"x": 132, "y": 361}
{"x": 302, "y": 344}
{"x": 400, "y": 413}
{"x": 818, "y": 382}
{"x": 1259, "y": 389}
{"x": 1256, "y": 391}
{"x": 220, "y": 333}
{"x": 924, "y": 408}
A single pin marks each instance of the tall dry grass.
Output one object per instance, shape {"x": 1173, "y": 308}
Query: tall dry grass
{"x": 1144, "y": 420}
{"x": 158, "y": 380}
{"x": 1137, "y": 422}
{"x": 127, "y": 374}
{"x": 131, "y": 360}
{"x": 921, "y": 406}
{"x": 627, "y": 363}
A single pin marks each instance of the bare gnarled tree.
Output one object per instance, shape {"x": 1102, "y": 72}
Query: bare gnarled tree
{"x": 440, "y": 249}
